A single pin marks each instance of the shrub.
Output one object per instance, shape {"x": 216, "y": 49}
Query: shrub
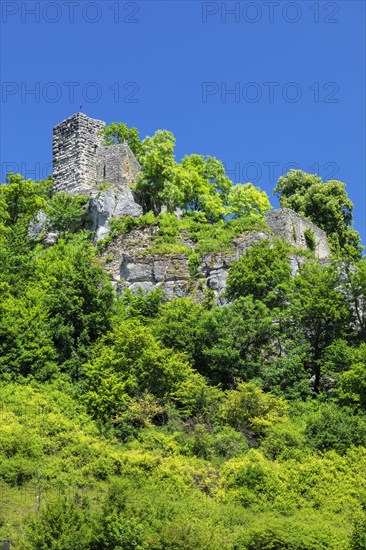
{"x": 332, "y": 427}
{"x": 310, "y": 239}
{"x": 249, "y": 408}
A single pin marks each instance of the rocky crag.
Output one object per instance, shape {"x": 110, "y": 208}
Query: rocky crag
{"x": 130, "y": 263}
{"x": 83, "y": 165}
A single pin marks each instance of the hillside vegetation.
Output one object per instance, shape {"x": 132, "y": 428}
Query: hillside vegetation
{"x": 130, "y": 422}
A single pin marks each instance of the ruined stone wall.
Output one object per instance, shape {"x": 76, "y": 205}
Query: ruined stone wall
{"x": 117, "y": 165}
{"x": 81, "y": 163}
{"x": 75, "y": 143}
{"x": 291, "y": 227}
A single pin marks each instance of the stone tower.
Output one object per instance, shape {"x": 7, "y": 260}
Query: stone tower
{"x": 81, "y": 162}
{"x": 75, "y": 143}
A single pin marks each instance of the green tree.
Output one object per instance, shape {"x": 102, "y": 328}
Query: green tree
{"x": 4, "y": 217}
{"x": 235, "y": 340}
{"x": 356, "y": 290}
{"x": 327, "y": 204}
{"x": 223, "y": 343}
{"x": 158, "y": 168}
{"x": 178, "y": 326}
{"x": 118, "y": 132}
{"x": 23, "y": 198}
{"x": 318, "y": 311}
{"x": 128, "y": 362}
{"x": 249, "y": 408}
{"x": 204, "y": 185}
{"x": 285, "y": 372}
{"x": 114, "y": 530}
{"x": 329, "y": 426}
{"x": 17, "y": 258}
{"x": 352, "y": 382}
{"x": 77, "y": 296}
{"x": 20, "y": 201}
{"x": 247, "y": 200}
{"x": 26, "y": 344}
{"x": 142, "y": 305}
{"x": 199, "y": 183}
{"x": 263, "y": 272}
{"x": 65, "y": 212}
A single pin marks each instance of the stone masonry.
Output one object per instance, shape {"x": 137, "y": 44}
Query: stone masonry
{"x": 291, "y": 227}
{"x": 81, "y": 162}
{"x": 75, "y": 143}
{"x": 117, "y": 165}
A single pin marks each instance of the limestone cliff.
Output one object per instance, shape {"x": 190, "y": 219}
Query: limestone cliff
{"x": 130, "y": 263}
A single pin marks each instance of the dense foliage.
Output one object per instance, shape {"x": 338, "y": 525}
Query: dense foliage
{"x": 197, "y": 184}
{"x": 130, "y": 422}
{"x": 325, "y": 203}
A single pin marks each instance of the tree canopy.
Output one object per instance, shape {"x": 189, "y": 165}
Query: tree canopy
{"x": 197, "y": 183}
{"x": 327, "y": 204}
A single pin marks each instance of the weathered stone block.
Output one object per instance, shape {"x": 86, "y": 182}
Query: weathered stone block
{"x": 291, "y": 226}
{"x": 217, "y": 280}
{"x": 37, "y": 225}
{"x": 173, "y": 268}
{"x": 134, "y": 270}
{"x": 175, "y": 289}
{"x": 107, "y": 204}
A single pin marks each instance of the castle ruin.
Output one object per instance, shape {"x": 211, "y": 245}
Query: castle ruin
{"x": 82, "y": 164}
{"x": 81, "y": 161}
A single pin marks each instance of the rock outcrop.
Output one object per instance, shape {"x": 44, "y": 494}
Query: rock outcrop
{"x": 38, "y": 225}
{"x": 107, "y": 204}
{"x": 40, "y": 229}
{"x": 84, "y": 165}
{"x": 131, "y": 264}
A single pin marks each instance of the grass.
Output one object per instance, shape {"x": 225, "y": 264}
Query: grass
{"x": 169, "y": 239}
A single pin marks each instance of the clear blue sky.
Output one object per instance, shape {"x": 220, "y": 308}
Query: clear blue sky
{"x": 296, "y": 70}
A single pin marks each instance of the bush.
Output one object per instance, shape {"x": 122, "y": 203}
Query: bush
{"x": 65, "y": 212}
{"x": 332, "y": 427}
{"x": 127, "y": 363}
{"x": 62, "y": 525}
{"x": 310, "y": 239}
{"x": 290, "y": 536}
{"x": 358, "y": 537}
{"x": 248, "y": 408}
{"x": 263, "y": 272}
{"x": 283, "y": 440}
